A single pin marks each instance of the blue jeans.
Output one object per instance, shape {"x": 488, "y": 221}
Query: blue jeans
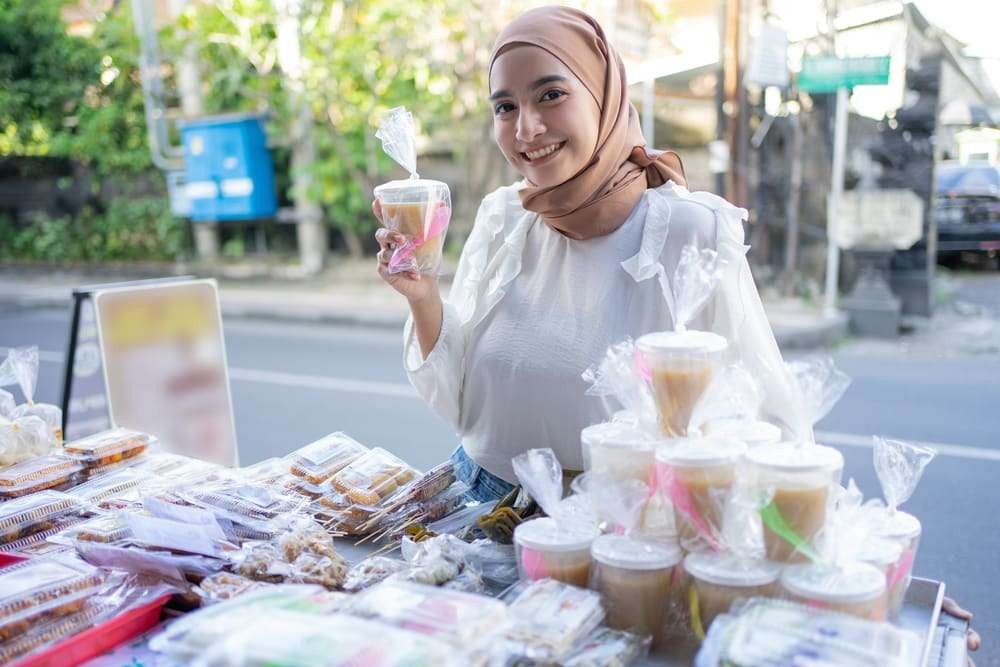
{"x": 483, "y": 486}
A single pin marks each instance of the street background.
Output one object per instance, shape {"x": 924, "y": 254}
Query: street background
{"x": 234, "y": 139}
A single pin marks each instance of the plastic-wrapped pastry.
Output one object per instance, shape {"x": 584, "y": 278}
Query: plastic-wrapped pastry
{"x": 319, "y": 461}
{"x": 258, "y": 561}
{"x": 34, "y": 475}
{"x": 109, "y": 447}
{"x": 23, "y": 439}
{"x": 225, "y": 586}
{"x": 371, "y": 571}
{"x": 307, "y": 536}
{"x": 311, "y": 568}
{"x": 372, "y": 478}
{"x": 34, "y": 514}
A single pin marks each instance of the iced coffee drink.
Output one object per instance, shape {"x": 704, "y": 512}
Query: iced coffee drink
{"x": 796, "y": 482}
{"x": 858, "y": 589}
{"x": 718, "y": 580}
{"x": 904, "y": 529}
{"x": 638, "y": 584}
{"x": 420, "y": 210}
{"x": 618, "y": 451}
{"x": 697, "y": 475}
{"x": 547, "y": 549}
{"x": 679, "y": 365}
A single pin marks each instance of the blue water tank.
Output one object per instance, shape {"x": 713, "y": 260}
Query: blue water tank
{"x": 228, "y": 170}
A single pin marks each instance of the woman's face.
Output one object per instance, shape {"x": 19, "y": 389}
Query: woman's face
{"x": 544, "y": 120}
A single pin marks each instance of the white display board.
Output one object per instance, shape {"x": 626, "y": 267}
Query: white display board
{"x": 165, "y": 366}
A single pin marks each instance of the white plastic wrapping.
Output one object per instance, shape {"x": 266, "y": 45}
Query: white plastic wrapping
{"x": 418, "y": 208}
{"x": 820, "y": 385}
{"x": 21, "y": 368}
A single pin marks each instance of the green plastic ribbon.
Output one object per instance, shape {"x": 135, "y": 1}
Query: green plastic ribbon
{"x": 694, "y": 610}
{"x": 772, "y": 518}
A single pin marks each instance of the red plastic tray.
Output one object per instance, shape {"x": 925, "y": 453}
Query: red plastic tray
{"x": 99, "y": 639}
{"x": 9, "y": 559}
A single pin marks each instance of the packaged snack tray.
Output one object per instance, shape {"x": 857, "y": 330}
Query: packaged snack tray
{"x": 456, "y": 617}
{"x": 44, "y": 542}
{"x": 108, "y": 447}
{"x": 43, "y": 588}
{"x": 33, "y": 514}
{"x": 224, "y": 586}
{"x": 319, "y": 461}
{"x": 109, "y": 487}
{"x": 550, "y": 617}
{"x": 373, "y": 478}
{"x": 36, "y": 475}
{"x": 105, "y": 529}
{"x": 49, "y": 632}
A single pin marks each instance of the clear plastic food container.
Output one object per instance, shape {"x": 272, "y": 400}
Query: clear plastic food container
{"x": 799, "y": 480}
{"x": 33, "y": 514}
{"x": 107, "y": 487}
{"x": 904, "y": 529}
{"x": 718, "y": 580}
{"x": 680, "y": 366}
{"x": 420, "y": 209}
{"x": 638, "y": 582}
{"x": 374, "y": 477}
{"x": 34, "y": 475}
{"x": 106, "y": 529}
{"x": 41, "y": 589}
{"x": 619, "y": 451}
{"x": 109, "y": 447}
{"x": 319, "y": 461}
{"x": 751, "y": 432}
{"x": 697, "y": 475}
{"x": 453, "y": 616}
{"x": 858, "y": 589}
{"x": 547, "y": 549}
{"x": 548, "y": 618}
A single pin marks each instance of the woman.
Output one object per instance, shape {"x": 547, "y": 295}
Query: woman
{"x": 574, "y": 258}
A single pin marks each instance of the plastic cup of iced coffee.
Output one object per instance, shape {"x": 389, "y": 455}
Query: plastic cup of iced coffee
{"x": 904, "y": 529}
{"x": 798, "y": 480}
{"x": 420, "y": 209}
{"x": 679, "y": 366}
{"x": 696, "y": 475}
{"x": 717, "y": 580}
{"x": 753, "y": 432}
{"x": 618, "y": 451}
{"x": 547, "y": 549}
{"x": 858, "y": 589}
{"x": 638, "y": 582}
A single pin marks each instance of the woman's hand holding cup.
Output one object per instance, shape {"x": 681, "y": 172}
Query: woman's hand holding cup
{"x": 413, "y": 285}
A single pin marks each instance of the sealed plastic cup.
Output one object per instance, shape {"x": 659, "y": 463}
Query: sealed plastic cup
{"x": 618, "y": 451}
{"x": 696, "y": 475}
{"x": 798, "y": 481}
{"x": 753, "y": 432}
{"x": 546, "y": 549}
{"x": 639, "y": 583}
{"x": 420, "y": 209}
{"x": 717, "y": 580}
{"x": 904, "y": 529}
{"x": 858, "y": 589}
{"x": 679, "y": 365}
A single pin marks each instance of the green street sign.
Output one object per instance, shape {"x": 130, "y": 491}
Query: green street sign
{"x": 825, "y": 74}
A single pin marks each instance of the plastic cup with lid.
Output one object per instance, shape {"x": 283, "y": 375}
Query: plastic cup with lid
{"x": 420, "y": 209}
{"x": 639, "y": 584}
{"x": 679, "y": 365}
{"x": 547, "y": 549}
{"x": 618, "y": 451}
{"x": 751, "y": 431}
{"x": 904, "y": 529}
{"x": 717, "y": 580}
{"x": 798, "y": 481}
{"x": 858, "y": 589}
{"x": 697, "y": 475}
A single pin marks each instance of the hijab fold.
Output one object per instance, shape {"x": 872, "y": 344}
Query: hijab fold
{"x": 598, "y": 199}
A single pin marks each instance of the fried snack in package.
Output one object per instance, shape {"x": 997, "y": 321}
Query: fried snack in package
{"x": 224, "y": 586}
{"x": 371, "y": 571}
{"x": 373, "y": 478}
{"x": 125, "y": 484}
{"x": 40, "y": 589}
{"x": 21, "y": 368}
{"x": 109, "y": 447}
{"x": 258, "y": 507}
{"x": 458, "y": 618}
{"x": 23, "y": 439}
{"x": 48, "y": 632}
{"x": 35, "y": 513}
{"x": 318, "y": 461}
{"x": 44, "y": 542}
{"x": 549, "y": 618}
{"x": 104, "y": 529}
{"x": 38, "y": 474}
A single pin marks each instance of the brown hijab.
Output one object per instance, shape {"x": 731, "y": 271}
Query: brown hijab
{"x": 597, "y": 200}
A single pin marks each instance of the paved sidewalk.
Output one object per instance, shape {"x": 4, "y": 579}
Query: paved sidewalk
{"x": 350, "y": 293}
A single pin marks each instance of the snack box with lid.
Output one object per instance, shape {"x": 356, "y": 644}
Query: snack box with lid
{"x": 109, "y": 447}
{"x": 109, "y": 486}
{"x": 38, "y": 474}
{"x": 44, "y": 588}
{"x": 320, "y": 460}
{"x": 373, "y": 478}
{"x": 34, "y": 514}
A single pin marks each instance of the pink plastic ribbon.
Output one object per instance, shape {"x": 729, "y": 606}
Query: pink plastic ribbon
{"x": 681, "y": 498}
{"x": 898, "y": 572}
{"x": 641, "y": 367}
{"x": 533, "y": 563}
{"x": 404, "y": 253}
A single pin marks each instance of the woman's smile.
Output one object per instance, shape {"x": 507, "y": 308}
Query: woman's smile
{"x": 540, "y": 156}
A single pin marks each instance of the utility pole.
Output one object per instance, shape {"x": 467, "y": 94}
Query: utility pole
{"x": 732, "y": 108}
{"x": 311, "y": 232}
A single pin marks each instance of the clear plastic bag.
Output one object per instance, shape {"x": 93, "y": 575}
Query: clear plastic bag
{"x": 38, "y": 474}
{"x": 820, "y": 385}
{"x": 609, "y": 648}
{"x": 420, "y": 209}
{"x": 320, "y": 460}
{"x": 224, "y": 586}
{"x": 21, "y": 368}
{"x": 23, "y": 439}
{"x": 371, "y": 571}
{"x": 548, "y": 618}
{"x": 109, "y": 447}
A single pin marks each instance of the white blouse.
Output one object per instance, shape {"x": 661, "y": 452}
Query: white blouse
{"x": 530, "y": 310}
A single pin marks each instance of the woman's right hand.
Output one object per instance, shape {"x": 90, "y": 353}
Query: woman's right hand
{"x": 415, "y": 286}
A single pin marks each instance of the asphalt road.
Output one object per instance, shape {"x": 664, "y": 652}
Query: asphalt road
{"x": 292, "y": 383}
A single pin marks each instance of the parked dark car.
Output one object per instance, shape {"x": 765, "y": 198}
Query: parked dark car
{"x": 968, "y": 210}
